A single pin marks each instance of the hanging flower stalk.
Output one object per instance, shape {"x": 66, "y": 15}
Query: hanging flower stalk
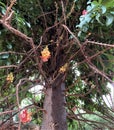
{"x": 45, "y": 54}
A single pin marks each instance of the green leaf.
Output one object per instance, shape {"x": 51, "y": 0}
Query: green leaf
{"x": 98, "y": 18}
{"x": 100, "y": 1}
{"x": 112, "y": 12}
{"x": 3, "y": 10}
{"x": 103, "y": 9}
{"x": 109, "y": 20}
{"x": 88, "y": 18}
{"x": 108, "y": 3}
{"x": 5, "y": 56}
{"x": 2, "y": 4}
{"x": 95, "y": 3}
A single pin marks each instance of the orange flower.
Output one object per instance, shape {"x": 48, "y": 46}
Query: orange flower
{"x": 25, "y": 116}
{"x": 63, "y": 68}
{"x": 45, "y": 54}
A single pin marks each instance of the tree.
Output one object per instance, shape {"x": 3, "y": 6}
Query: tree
{"x": 49, "y": 41}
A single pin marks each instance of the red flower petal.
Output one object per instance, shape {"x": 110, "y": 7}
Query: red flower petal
{"x": 25, "y": 116}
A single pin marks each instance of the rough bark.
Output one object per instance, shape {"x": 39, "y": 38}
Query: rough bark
{"x": 55, "y": 116}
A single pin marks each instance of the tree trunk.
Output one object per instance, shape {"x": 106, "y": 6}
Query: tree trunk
{"x": 55, "y": 116}
{"x": 112, "y": 96}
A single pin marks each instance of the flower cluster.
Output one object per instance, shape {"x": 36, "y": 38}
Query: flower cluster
{"x": 25, "y": 116}
{"x": 10, "y": 77}
{"x": 84, "y": 12}
{"x": 63, "y": 68}
{"x": 45, "y": 54}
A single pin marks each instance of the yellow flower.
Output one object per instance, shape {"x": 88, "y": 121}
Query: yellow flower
{"x": 10, "y": 77}
{"x": 63, "y": 68}
{"x": 45, "y": 54}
